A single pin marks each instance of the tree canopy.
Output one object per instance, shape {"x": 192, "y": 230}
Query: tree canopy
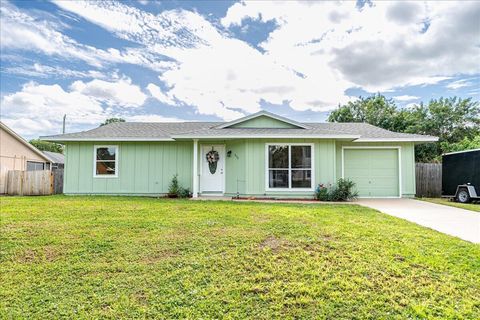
{"x": 46, "y": 145}
{"x": 111, "y": 120}
{"x": 455, "y": 121}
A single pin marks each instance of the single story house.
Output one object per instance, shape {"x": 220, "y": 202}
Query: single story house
{"x": 17, "y": 154}
{"x": 260, "y": 155}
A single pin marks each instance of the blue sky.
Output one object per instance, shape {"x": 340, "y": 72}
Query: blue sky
{"x": 220, "y": 60}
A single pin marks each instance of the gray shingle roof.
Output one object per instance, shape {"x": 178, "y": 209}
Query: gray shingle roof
{"x": 158, "y": 131}
{"x": 55, "y": 156}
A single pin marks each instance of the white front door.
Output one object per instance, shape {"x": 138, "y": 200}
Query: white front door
{"x": 212, "y": 159}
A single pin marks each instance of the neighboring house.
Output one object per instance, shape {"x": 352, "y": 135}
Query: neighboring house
{"x": 261, "y": 155}
{"x": 58, "y": 159}
{"x": 17, "y": 154}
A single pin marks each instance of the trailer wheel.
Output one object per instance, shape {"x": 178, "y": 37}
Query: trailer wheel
{"x": 463, "y": 196}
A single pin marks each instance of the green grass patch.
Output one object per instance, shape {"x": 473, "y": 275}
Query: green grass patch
{"x": 447, "y": 202}
{"x": 120, "y": 257}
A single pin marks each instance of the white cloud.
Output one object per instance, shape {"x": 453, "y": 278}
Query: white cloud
{"x": 454, "y": 85}
{"x": 382, "y": 46}
{"x": 40, "y": 108}
{"x": 157, "y": 93}
{"x": 378, "y": 48}
{"x": 120, "y": 93}
{"x": 316, "y": 52}
{"x": 44, "y": 71}
{"x": 151, "y": 118}
{"x": 406, "y": 98}
{"x": 22, "y": 31}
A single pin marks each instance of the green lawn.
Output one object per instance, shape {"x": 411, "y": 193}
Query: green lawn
{"x": 119, "y": 257}
{"x": 447, "y": 202}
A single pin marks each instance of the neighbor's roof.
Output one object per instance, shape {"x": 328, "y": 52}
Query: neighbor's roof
{"x": 169, "y": 131}
{"x": 55, "y": 156}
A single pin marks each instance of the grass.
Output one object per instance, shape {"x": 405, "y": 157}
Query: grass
{"x": 447, "y": 202}
{"x": 119, "y": 257}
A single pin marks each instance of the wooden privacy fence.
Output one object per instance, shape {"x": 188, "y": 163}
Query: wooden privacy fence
{"x": 428, "y": 178}
{"x": 57, "y": 181}
{"x": 34, "y": 183}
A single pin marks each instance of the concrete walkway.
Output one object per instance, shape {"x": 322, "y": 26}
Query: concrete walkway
{"x": 457, "y": 222}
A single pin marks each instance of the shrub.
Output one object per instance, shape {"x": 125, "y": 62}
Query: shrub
{"x": 176, "y": 190}
{"x": 322, "y": 193}
{"x": 342, "y": 191}
{"x": 183, "y": 193}
{"x": 174, "y": 187}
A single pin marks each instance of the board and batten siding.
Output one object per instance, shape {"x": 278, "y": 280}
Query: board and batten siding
{"x": 245, "y": 168}
{"x": 264, "y": 122}
{"x": 144, "y": 168}
{"x": 407, "y": 162}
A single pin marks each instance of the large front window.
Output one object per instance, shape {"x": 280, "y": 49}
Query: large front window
{"x": 106, "y": 162}
{"x": 289, "y": 166}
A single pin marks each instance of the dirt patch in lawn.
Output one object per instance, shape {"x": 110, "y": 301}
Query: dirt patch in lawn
{"x": 47, "y": 253}
{"x": 274, "y": 243}
{"x": 160, "y": 255}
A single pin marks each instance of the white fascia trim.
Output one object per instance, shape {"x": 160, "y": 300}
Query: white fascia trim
{"x": 269, "y": 137}
{"x": 259, "y": 114}
{"x": 105, "y": 139}
{"x": 464, "y": 151}
{"x": 434, "y": 139}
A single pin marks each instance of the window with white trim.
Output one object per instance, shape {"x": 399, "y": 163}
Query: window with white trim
{"x": 106, "y": 161}
{"x": 289, "y": 166}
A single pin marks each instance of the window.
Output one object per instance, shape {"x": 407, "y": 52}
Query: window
{"x": 34, "y": 166}
{"x": 106, "y": 161}
{"x": 289, "y": 167}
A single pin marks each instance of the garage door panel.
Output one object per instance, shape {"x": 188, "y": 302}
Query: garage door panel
{"x": 391, "y": 173}
{"x": 383, "y": 192}
{"x": 374, "y": 171}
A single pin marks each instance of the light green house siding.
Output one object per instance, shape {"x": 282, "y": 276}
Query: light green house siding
{"x": 146, "y": 168}
{"x": 143, "y": 168}
{"x": 246, "y": 167}
{"x": 264, "y": 122}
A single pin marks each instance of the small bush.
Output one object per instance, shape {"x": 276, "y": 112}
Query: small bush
{"x": 342, "y": 191}
{"x": 176, "y": 190}
{"x": 183, "y": 193}
{"x": 322, "y": 193}
{"x": 174, "y": 187}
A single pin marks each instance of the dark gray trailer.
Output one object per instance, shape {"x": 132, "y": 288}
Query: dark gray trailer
{"x": 461, "y": 175}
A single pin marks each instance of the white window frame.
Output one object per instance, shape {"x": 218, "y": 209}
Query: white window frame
{"x": 117, "y": 153}
{"x": 267, "y": 169}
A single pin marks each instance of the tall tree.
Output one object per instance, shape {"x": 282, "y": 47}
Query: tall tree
{"x": 451, "y": 119}
{"x": 376, "y": 110}
{"x": 46, "y": 145}
{"x": 111, "y": 120}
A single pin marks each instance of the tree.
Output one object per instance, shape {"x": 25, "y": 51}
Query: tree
{"x": 376, "y": 110}
{"x": 112, "y": 120}
{"x": 465, "y": 144}
{"x": 450, "y": 119}
{"x": 46, "y": 146}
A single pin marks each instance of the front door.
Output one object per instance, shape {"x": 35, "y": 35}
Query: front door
{"x": 212, "y": 159}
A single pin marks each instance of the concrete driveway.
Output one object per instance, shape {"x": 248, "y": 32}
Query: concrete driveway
{"x": 457, "y": 222}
